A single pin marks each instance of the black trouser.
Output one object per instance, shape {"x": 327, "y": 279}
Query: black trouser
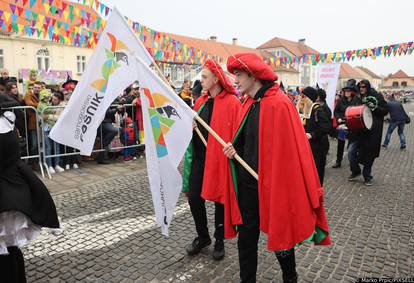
{"x": 320, "y": 162}
{"x": 249, "y": 237}
{"x": 198, "y": 206}
{"x": 12, "y": 266}
{"x": 340, "y": 151}
{"x": 108, "y": 132}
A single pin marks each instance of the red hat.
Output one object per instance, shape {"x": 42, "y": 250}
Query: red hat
{"x": 215, "y": 68}
{"x": 252, "y": 64}
{"x": 128, "y": 120}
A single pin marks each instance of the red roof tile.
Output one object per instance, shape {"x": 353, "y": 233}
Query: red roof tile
{"x": 212, "y": 47}
{"x": 298, "y": 49}
{"x": 369, "y": 72}
{"x": 347, "y": 71}
{"x": 400, "y": 74}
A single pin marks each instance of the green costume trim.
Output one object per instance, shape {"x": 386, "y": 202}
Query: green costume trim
{"x": 232, "y": 162}
{"x": 188, "y": 160}
{"x": 317, "y": 236}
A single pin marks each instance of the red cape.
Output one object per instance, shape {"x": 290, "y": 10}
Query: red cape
{"x": 138, "y": 114}
{"x": 226, "y": 111}
{"x": 290, "y": 195}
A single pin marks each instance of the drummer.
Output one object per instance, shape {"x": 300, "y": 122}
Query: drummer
{"x": 349, "y": 98}
{"x": 364, "y": 146}
{"x": 318, "y": 126}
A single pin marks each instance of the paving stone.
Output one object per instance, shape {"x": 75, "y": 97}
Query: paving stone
{"x": 110, "y": 234}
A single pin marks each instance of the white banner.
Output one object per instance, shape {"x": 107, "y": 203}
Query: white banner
{"x": 111, "y": 69}
{"x": 168, "y": 132}
{"x": 327, "y": 79}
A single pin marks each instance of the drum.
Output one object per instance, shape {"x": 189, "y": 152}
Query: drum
{"x": 358, "y": 118}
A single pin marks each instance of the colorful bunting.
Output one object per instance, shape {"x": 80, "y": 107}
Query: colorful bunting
{"x": 61, "y": 22}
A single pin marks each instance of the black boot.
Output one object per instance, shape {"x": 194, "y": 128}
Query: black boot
{"x": 337, "y": 164}
{"x": 197, "y": 245}
{"x": 287, "y": 263}
{"x": 218, "y": 253}
{"x": 101, "y": 158}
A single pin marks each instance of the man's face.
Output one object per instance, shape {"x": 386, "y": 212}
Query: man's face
{"x": 244, "y": 82}
{"x": 2, "y": 89}
{"x": 135, "y": 91}
{"x": 5, "y": 74}
{"x": 348, "y": 93}
{"x": 55, "y": 100}
{"x": 208, "y": 79}
{"x": 363, "y": 89}
{"x": 13, "y": 90}
{"x": 30, "y": 89}
{"x": 37, "y": 88}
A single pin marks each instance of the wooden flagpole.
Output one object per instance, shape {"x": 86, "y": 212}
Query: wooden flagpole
{"x": 212, "y": 132}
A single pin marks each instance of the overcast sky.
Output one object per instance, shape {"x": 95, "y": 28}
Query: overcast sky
{"x": 327, "y": 26}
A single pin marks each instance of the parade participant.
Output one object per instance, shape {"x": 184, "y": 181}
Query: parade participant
{"x": 398, "y": 119}
{"x": 25, "y": 204}
{"x": 205, "y": 166}
{"x": 286, "y": 202}
{"x": 365, "y": 146}
{"x": 317, "y": 127}
{"x": 349, "y": 98}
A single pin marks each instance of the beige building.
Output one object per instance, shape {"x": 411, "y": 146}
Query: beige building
{"x": 347, "y": 72}
{"x": 19, "y": 53}
{"x": 398, "y": 81}
{"x": 288, "y": 76}
{"x": 283, "y": 48}
{"x": 374, "y": 79}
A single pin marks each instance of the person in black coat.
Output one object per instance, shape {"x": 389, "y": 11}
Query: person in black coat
{"x": 398, "y": 119}
{"x": 350, "y": 98}
{"x": 364, "y": 146}
{"x": 317, "y": 127}
{"x": 25, "y": 203}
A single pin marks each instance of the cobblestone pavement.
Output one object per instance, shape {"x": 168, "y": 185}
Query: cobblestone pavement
{"x": 109, "y": 233}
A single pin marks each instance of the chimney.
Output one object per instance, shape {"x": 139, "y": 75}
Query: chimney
{"x": 235, "y": 41}
{"x": 213, "y": 38}
{"x": 301, "y": 41}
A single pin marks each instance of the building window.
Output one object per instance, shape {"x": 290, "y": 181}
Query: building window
{"x": 180, "y": 74}
{"x": 394, "y": 84}
{"x": 404, "y": 84}
{"x": 43, "y": 59}
{"x": 193, "y": 73}
{"x": 167, "y": 71}
{"x": 305, "y": 75}
{"x": 81, "y": 63}
{"x": 1, "y": 59}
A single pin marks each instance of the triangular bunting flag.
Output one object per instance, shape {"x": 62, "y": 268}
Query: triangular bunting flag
{"x": 12, "y": 8}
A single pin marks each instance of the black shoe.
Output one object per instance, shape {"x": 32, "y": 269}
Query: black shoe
{"x": 403, "y": 147}
{"x": 218, "y": 253}
{"x": 354, "y": 176}
{"x": 337, "y": 165}
{"x": 369, "y": 182}
{"x": 197, "y": 245}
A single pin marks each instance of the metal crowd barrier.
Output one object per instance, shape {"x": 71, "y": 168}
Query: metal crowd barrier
{"x": 67, "y": 151}
{"x": 26, "y": 152}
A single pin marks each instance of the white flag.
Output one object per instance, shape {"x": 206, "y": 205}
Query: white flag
{"x": 111, "y": 69}
{"x": 327, "y": 79}
{"x": 168, "y": 132}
